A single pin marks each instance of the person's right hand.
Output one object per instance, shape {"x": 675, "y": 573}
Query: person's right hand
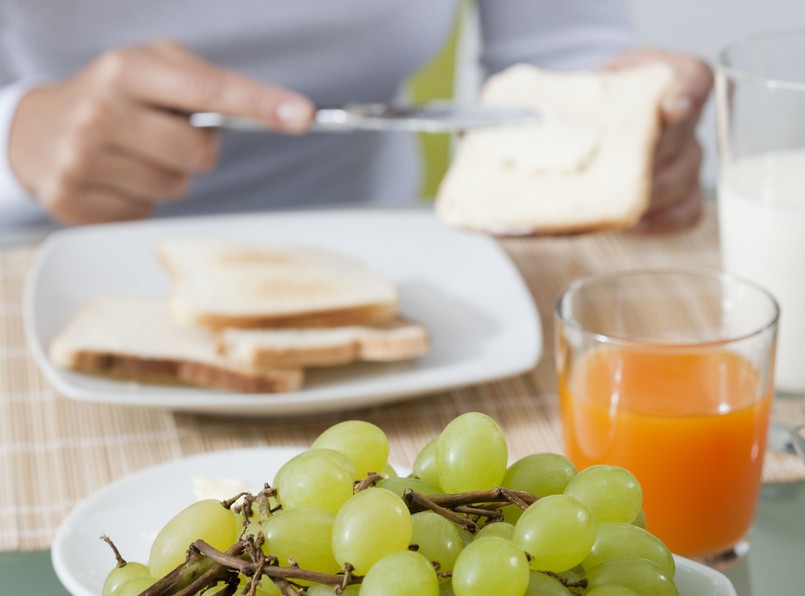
{"x": 112, "y": 142}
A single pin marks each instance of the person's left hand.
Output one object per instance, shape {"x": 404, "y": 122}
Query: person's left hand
{"x": 676, "y": 199}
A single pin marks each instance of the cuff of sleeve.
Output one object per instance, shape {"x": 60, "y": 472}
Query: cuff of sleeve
{"x": 12, "y": 192}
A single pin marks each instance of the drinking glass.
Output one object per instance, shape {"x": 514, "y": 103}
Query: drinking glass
{"x": 669, "y": 373}
{"x": 760, "y": 99}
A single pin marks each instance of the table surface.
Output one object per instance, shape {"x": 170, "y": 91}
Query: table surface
{"x": 99, "y": 443}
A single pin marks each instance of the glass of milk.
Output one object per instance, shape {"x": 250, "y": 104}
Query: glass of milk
{"x": 760, "y": 95}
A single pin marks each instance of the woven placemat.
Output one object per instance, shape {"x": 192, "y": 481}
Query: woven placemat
{"x": 54, "y": 451}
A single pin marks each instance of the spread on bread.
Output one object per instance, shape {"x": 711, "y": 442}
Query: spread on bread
{"x": 585, "y": 165}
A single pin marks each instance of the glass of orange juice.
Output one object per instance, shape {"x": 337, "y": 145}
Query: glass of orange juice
{"x": 669, "y": 373}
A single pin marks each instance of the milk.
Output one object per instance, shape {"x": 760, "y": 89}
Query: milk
{"x": 761, "y": 201}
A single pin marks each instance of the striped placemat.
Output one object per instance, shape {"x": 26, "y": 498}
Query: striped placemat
{"x": 54, "y": 451}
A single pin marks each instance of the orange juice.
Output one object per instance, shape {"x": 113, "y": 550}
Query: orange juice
{"x": 691, "y": 426}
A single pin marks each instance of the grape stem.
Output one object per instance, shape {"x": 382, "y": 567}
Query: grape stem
{"x": 479, "y": 503}
{"x": 206, "y": 566}
{"x": 121, "y": 562}
{"x": 420, "y": 502}
{"x": 568, "y": 583}
{"x": 372, "y": 479}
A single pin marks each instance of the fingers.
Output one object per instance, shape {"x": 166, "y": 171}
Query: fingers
{"x": 690, "y": 90}
{"x": 135, "y": 179}
{"x": 676, "y": 201}
{"x": 169, "y": 77}
{"x": 110, "y": 143}
{"x": 75, "y": 205}
{"x": 678, "y": 216}
{"x": 692, "y": 84}
{"x": 88, "y": 184}
{"x": 677, "y": 178}
{"x": 676, "y": 197}
{"x": 166, "y": 140}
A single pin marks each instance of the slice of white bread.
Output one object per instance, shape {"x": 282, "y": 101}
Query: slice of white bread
{"x": 389, "y": 341}
{"x": 137, "y": 339}
{"x": 585, "y": 165}
{"x": 221, "y": 284}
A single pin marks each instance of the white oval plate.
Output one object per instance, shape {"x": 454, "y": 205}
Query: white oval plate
{"x": 132, "y": 510}
{"x": 480, "y": 315}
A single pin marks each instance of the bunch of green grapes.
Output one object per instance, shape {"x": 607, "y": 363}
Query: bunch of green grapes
{"x": 584, "y": 535}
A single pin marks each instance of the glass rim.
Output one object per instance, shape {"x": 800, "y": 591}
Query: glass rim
{"x": 726, "y": 67}
{"x": 691, "y": 272}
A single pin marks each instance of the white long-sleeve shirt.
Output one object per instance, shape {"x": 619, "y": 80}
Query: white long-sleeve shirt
{"x": 337, "y": 51}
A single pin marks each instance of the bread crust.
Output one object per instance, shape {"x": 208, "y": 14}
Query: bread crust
{"x": 183, "y": 372}
{"x": 339, "y": 317}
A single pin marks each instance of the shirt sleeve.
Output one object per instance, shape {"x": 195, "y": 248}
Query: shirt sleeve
{"x": 13, "y": 196}
{"x": 560, "y": 34}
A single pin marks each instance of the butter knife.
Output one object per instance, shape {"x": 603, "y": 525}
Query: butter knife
{"x": 437, "y": 117}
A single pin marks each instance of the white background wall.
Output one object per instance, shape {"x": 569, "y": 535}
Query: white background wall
{"x": 703, "y": 27}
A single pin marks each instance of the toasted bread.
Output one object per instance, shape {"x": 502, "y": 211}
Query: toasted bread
{"x": 221, "y": 284}
{"x": 585, "y": 165}
{"x": 137, "y": 339}
{"x": 388, "y": 341}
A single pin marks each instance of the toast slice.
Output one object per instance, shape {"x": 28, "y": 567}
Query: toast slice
{"x": 585, "y": 165}
{"x": 137, "y": 339}
{"x": 389, "y": 341}
{"x": 221, "y": 284}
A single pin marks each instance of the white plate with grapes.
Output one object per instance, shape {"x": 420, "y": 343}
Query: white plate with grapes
{"x": 132, "y": 511}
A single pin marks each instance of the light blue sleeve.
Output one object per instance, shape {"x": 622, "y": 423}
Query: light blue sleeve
{"x": 15, "y": 200}
{"x": 560, "y": 34}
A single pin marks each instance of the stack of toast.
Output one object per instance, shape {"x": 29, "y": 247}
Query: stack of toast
{"x": 242, "y": 318}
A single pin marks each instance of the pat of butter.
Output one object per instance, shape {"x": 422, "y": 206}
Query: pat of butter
{"x": 549, "y": 147}
{"x": 208, "y": 487}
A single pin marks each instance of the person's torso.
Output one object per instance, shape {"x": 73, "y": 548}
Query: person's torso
{"x": 351, "y": 50}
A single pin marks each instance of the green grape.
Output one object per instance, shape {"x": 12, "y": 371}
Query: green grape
{"x": 266, "y": 587}
{"x": 491, "y": 566}
{"x": 557, "y": 531}
{"x": 616, "y": 540}
{"x": 640, "y": 575}
{"x": 612, "y": 494}
{"x": 466, "y": 536}
{"x": 437, "y": 538}
{"x": 471, "y": 454}
{"x": 313, "y": 479}
{"x": 120, "y": 575}
{"x": 446, "y": 588}
{"x": 371, "y": 524}
{"x": 399, "y": 485}
{"x": 499, "y": 529}
{"x": 403, "y": 573}
{"x": 425, "y": 464}
{"x": 206, "y": 520}
{"x": 339, "y": 458}
{"x": 135, "y": 586}
{"x": 388, "y": 471}
{"x": 254, "y": 523}
{"x": 540, "y": 584}
{"x": 640, "y": 520}
{"x": 304, "y": 534}
{"x": 362, "y": 442}
{"x": 611, "y": 591}
{"x": 540, "y": 474}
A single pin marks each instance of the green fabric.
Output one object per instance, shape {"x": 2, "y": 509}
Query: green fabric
{"x": 435, "y": 82}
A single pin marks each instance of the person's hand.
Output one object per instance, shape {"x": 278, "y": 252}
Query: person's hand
{"x": 112, "y": 142}
{"x": 676, "y": 199}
